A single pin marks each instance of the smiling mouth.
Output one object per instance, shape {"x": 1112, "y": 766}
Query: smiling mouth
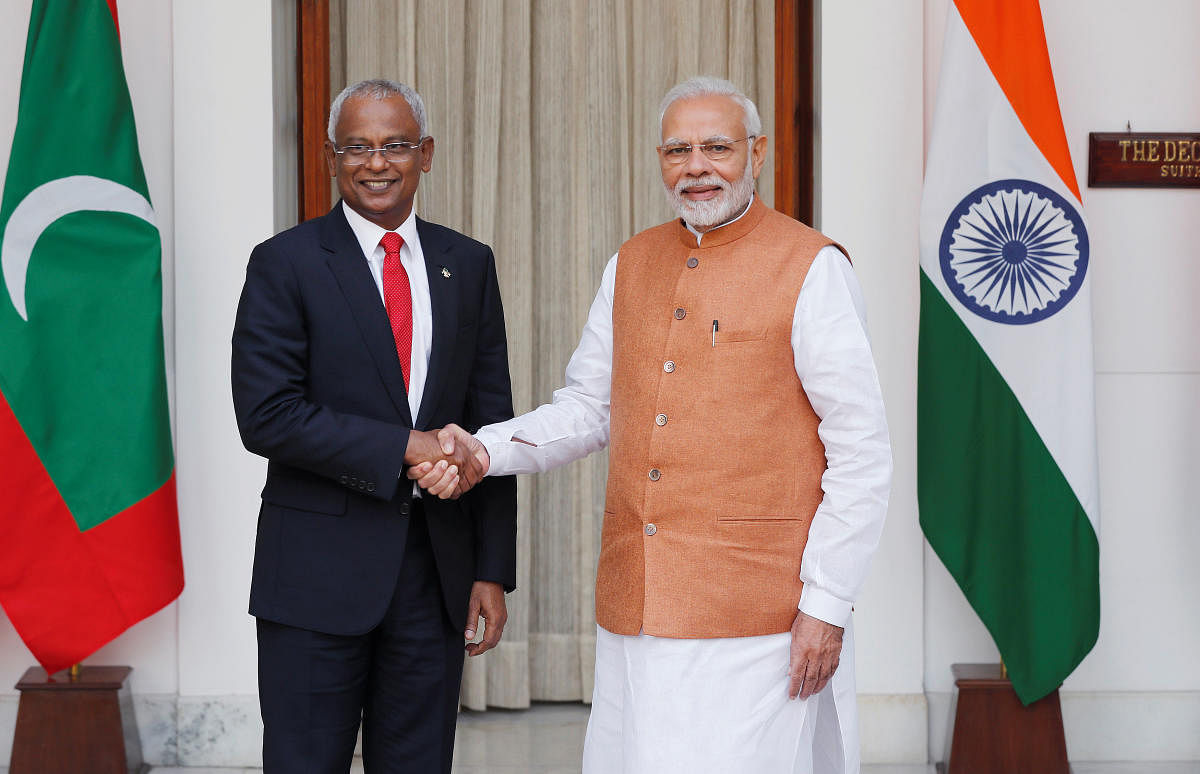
{"x": 377, "y": 185}
{"x": 702, "y": 192}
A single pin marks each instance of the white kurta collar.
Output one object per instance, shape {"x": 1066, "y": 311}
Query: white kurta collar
{"x": 700, "y": 235}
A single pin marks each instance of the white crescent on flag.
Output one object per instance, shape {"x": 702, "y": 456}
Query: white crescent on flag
{"x": 46, "y": 204}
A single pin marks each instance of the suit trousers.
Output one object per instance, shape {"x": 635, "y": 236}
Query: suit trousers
{"x": 401, "y": 679}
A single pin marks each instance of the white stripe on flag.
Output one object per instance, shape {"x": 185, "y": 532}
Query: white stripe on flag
{"x": 977, "y": 138}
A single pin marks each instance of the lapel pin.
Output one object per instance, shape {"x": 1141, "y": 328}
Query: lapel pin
{"x": 445, "y": 272}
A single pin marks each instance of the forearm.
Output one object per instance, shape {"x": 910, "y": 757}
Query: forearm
{"x": 551, "y": 435}
{"x": 342, "y": 447}
{"x": 575, "y": 423}
{"x": 845, "y": 531}
{"x": 271, "y": 383}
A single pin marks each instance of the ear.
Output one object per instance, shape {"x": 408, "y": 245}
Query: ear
{"x": 427, "y": 154}
{"x": 758, "y": 154}
{"x": 330, "y": 159}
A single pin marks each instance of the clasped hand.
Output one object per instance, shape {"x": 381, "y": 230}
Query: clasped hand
{"x": 446, "y": 463}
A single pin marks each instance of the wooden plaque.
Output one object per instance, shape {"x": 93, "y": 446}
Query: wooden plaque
{"x": 1143, "y": 160}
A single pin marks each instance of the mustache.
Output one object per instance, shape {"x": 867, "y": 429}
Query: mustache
{"x": 698, "y": 182}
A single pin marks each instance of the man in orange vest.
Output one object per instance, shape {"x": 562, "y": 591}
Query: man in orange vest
{"x": 725, "y": 363}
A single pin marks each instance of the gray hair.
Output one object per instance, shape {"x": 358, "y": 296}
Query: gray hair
{"x": 708, "y": 86}
{"x": 380, "y": 88}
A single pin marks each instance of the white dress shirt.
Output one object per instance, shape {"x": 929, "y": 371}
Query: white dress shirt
{"x": 413, "y": 261}
{"x": 833, "y": 360}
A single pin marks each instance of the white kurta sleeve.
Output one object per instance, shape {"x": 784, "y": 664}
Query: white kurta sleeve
{"x": 834, "y": 363}
{"x": 575, "y": 423}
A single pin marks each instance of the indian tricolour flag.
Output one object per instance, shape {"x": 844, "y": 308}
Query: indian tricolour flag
{"x": 1007, "y": 475}
{"x": 89, "y": 531}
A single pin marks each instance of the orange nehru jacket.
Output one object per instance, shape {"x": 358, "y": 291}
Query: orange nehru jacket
{"x": 715, "y": 467}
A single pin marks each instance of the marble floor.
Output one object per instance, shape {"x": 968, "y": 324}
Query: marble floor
{"x": 548, "y": 739}
{"x": 1187, "y": 767}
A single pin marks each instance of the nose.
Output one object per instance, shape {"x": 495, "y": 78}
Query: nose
{"x": 376, "y": 161}
{"x": 697, "y": 164}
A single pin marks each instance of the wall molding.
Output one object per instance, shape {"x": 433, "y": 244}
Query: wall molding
{"x": 893, "y": 728}
{"x": 1108, "y": 725}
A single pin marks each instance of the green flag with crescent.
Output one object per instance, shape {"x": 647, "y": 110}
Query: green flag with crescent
{"x": 85, "y": 423}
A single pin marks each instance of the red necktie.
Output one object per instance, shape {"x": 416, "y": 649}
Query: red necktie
{"x": 397, "y": 296}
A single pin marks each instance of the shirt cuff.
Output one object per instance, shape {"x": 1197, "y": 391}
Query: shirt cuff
{"x": 825, "y": 606}
{"x": 494, "y": 443}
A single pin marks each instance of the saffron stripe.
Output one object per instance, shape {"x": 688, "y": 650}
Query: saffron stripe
{"x": 1012, "y": 40}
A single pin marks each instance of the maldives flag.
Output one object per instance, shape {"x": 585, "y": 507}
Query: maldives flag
{"x": 1007, "y": 474}
{"x": 89, "y": 531}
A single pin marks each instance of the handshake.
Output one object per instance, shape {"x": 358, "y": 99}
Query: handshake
{"x": 446, "y": 462}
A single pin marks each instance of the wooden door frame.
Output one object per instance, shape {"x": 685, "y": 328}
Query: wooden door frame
{"x": 312, "y": 85}
{"x": 795, "y": 113}
{"x": 794, "y": 108}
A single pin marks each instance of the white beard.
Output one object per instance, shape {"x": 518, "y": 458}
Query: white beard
{"x": 723, "y": 207}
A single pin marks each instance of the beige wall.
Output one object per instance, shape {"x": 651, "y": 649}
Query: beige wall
{"x": 1137, "y": 695}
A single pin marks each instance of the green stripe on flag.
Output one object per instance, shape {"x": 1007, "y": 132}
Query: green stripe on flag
{"x": 82, "y": 365}
{"x": 997, "y": 510}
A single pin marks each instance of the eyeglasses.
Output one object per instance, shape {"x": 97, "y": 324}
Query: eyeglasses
{"x": 719, "y": 150}
{"x": 356, "y": 155}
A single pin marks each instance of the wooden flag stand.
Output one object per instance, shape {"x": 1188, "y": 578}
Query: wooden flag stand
{"x": 994, "y": 733}
{"x": 76, "y": 721}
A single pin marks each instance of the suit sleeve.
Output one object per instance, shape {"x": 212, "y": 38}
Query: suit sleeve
{"x": 493, "y": 502}
{"x": 269, "y": 373}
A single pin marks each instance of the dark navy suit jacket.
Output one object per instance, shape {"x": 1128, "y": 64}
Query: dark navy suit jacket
{"x": 318, "y": 391}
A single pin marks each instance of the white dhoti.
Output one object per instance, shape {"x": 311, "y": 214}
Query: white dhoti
{"x": 715, "y": 706}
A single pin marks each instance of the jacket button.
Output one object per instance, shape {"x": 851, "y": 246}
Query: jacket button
{"x": 651, "y": 529}
{"x": 362, "y": 485}
{"x": 654, "y": 474}
{"x": 669, "y": 366}
{"x": 371, "y": 487}
{"x": 660, "y": 420}
{"x": 693, "y": 263}
{"x": 344, "y": 480}
{"x": 404, "y": 509}
{"x": 680, "y": 313}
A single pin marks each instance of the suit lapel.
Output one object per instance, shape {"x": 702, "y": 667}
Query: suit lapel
{"x": 353, "y": 276}
{"x": 440, "y": 261}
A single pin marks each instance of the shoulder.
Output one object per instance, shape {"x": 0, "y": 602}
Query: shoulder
{"x": 306, "y": 233}
{"x": 784, "y": 225}
{"x": 298, "y": 243}
{"x": 435, "y": 235}
{"x": 662, "y": 231}
{"x": 784, "y": 229}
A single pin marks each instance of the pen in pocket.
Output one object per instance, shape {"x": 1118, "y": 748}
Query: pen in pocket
{"x": 714, "y": 338}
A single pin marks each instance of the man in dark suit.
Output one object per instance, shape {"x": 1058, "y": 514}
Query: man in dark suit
{"x": 358, "y": 332}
